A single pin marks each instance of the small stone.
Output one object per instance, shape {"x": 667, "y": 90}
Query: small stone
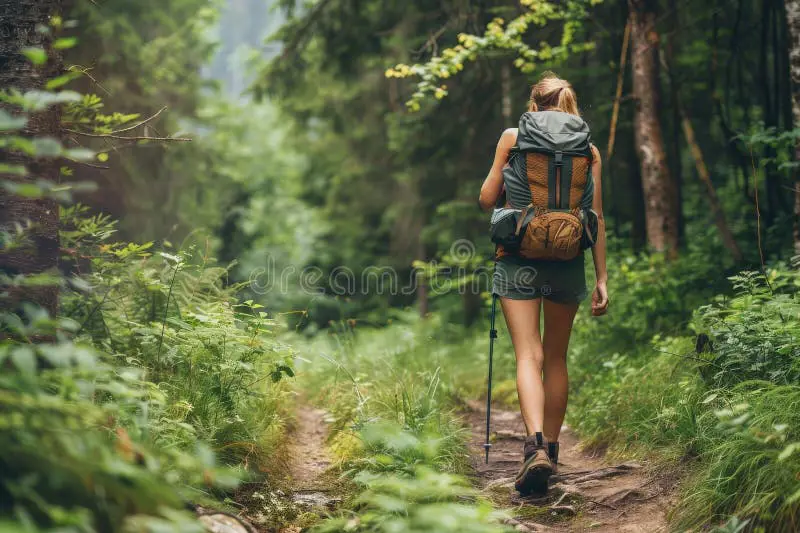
{"x": 222, "y": 523}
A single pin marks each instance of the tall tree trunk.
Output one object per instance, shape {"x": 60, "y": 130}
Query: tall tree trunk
{"x": 672, "y": 50}
{"x": 660, "y": 194}
{"x": 770, "y": 104}
{"x": 18, "y": 21}
{"x": 793, "y": 21}
{"x": 638, "y": 216}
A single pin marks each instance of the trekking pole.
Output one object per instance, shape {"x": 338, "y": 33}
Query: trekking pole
{"x": 492, "y": 337}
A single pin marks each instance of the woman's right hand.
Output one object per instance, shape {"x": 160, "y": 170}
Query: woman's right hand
{"x": 600, "y": 299}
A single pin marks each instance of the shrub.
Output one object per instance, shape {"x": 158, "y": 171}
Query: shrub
{"x": 731, "y": 410}
{"x": 754, "y": 335}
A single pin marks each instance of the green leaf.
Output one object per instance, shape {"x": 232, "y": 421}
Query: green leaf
{"x": 710, "y": 398}
{"x": 65, "y": 43}
{"x": 42, "y": 279}
{"x": 62, "y": 80}
{"x": 8, "y": 122}
{"x": 15, "y": 170}
{"x": 26, "y": 190}
{"x": 80, "y": 284}
{"x": 40, "y": 100}
{"x": 35, "y": 55}
{"x": 179, "y": 323}
{"x": 788, "y": 451}
{"x": 24, "y": 360}
{"x": 46, "y": 147}
{"x": 793, "y": 498}
{"x": 79, "y": 154}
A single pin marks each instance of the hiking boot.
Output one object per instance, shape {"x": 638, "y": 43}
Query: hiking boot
{"x": 536, "y": 469}
{"x": 552, "y": 453}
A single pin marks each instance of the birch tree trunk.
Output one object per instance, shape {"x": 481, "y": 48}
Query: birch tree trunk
{"x": 793, "y": 21}
{"x": 660, "y": 192}
{"x": 18, "y": 21}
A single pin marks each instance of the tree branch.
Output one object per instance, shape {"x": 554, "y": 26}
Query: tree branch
{"x": 128, "y": 138}
{"x": 307, "y": 23}
{"x": 142, "y": 123}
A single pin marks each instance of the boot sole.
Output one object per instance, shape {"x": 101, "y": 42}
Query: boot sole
{"x": 534, "y": 480}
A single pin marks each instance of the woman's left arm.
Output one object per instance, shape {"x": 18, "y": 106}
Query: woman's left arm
{"x": 600, "y": 294}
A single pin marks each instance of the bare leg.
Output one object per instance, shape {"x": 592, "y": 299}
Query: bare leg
{"x": 522, "y": 318}
{"x": 557, "y": 328}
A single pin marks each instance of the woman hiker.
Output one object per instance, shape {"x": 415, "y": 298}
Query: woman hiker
{"x": 550, "y": 171}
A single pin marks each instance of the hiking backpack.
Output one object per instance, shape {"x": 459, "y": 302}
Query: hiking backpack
{"x": 546, "y": 212}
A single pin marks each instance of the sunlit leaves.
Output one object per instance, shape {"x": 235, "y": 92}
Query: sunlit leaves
{"x": 60, "y": 81}
{"x": 500, "y": 36}
{"x": 64, "y": 43}
{"x": 14, "y": 170}
{"x": 35, "y": 55}
{"x": 87, "y": 113}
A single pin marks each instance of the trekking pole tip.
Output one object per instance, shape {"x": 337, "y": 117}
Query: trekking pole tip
{"x": 486, "y": 447}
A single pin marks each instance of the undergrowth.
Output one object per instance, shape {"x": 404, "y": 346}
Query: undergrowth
{"x": 393, "y": 395}
{"x": 153, "y": 390}
{"x": 717, "y": 393}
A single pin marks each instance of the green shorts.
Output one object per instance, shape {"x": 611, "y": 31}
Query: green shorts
{"x": 518, "y": 278}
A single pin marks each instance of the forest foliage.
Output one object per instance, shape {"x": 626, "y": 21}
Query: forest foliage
{"x": 163, "y": 378}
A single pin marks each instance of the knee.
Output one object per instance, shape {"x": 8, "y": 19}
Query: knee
{"x": 536, "y": 358}
{"x": 555, "y": 360}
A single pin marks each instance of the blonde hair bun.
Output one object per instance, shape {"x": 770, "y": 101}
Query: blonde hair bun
{"x": 552, "y": 93}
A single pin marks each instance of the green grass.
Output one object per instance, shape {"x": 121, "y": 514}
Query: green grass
{"x": 728, "y": 416}
{"x": 413, "y": 375}
{"x": 393, "y": 394}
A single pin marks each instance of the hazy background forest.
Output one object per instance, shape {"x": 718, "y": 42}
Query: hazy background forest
{"x": 187, "y": 183}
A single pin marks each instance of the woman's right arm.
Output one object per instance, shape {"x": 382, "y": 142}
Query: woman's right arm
{"x": 493, "y": 184}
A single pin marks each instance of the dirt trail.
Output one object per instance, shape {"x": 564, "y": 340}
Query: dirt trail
{"x": 309, "y": 489}
{"x": 290, "y": 504}
{"x": 587, "y": 494}
{"x": 308, "y": 452}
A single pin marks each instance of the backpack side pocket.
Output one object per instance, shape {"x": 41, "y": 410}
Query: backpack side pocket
{"x": 503, "y": 227}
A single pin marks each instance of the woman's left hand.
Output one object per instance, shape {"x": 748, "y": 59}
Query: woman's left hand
{"x": 600, "y": 299}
